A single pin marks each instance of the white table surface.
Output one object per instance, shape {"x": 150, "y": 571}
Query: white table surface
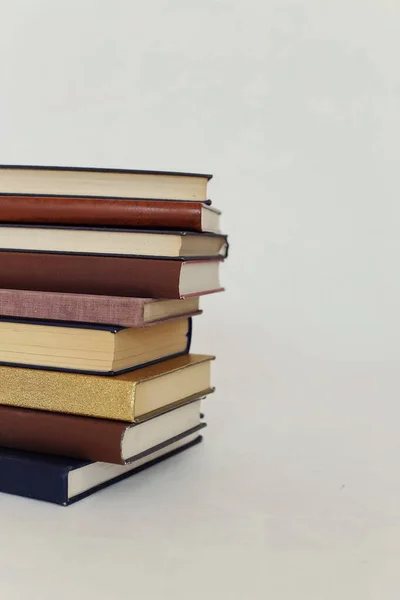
{"x": 306, "y": 507}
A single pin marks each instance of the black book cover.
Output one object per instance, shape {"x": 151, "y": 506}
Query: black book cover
{"x": 45, "y": 477}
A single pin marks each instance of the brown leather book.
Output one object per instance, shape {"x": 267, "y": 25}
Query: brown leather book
{"x": 109, "y": 212}
{"x": 87, "y": 308}
{"x": 110, "y": 276}
{"x": 93, "y": 439}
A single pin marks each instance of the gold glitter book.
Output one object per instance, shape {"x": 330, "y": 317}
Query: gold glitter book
{"x": 130, "y": 397}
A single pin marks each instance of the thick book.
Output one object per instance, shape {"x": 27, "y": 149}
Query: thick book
{"x": 109, "y": 212}
{"x": 89, "y": 348}
{"x": 87, "y": 438}
{"x": 130, "y": 397}
{"x": 112, "y": 242}
{"x": 121, "y": 183}
{"x": 88, "y": 308}
{"x": 66, "y": 480}
{"x": 109, "y": 276}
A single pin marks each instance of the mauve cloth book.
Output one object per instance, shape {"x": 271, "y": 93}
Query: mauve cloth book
{"x": 88, "y": 308}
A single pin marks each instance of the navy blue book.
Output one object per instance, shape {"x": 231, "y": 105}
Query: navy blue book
{"x": 67, "y": 480}
{"x": 89, "y": 348}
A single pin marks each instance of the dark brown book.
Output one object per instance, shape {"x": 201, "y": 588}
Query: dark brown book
{"x": 110, "y": 276}
{"x": 95, "y": 439}
{"x": 123, "y": 183}
{"x": 109, "y": 212}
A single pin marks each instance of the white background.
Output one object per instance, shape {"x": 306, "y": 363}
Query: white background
{"x": 294, "y": 106}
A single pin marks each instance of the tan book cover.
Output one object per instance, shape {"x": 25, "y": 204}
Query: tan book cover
{"x": 86, "y": 181}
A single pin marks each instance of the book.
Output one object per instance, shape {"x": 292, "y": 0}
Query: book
{"x": 89, "y": 348}
{"x": 66, "y": 480}
{"x": 123, "y": 183}
{"x": 128, "y": 397}
{"x": 88, "y": 308}
{"x": 114, "y": 242}
{"x": 109, "y": 212}
{"x": 93, "y": 439}
{"x": 109, "y": 276}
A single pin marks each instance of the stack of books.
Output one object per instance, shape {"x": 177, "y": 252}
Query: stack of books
{"x": 100, "y": 275}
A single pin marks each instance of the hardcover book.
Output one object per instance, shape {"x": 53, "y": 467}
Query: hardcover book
{"x": 112, "y": 242}
{"x": 88, "y": 308}
{"x": 95, "y": 439}
{"x": 109, "y": 276}
{"x": 67, "y": 480}
{"x": 89, "y": 348}
{"x": 109, "y": 212}
{"x": 128, "y": 397}
{"x": 123, "y": 183}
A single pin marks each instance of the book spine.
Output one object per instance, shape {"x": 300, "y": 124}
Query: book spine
{"x": 150, "y": 214}
{"x": 70, "y": 393}
{"x": 128, "y": 312}
{"x": 23, "y": 477}
{"x": 83, "y": 274}
{"x": 61, "y": 434}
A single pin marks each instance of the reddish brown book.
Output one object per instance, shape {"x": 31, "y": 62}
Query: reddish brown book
{"x": 110, "y": 276}
{"x": 109, "y": 212}
{"x": 94, "y": 439}
{"x": 87, "y": 308}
